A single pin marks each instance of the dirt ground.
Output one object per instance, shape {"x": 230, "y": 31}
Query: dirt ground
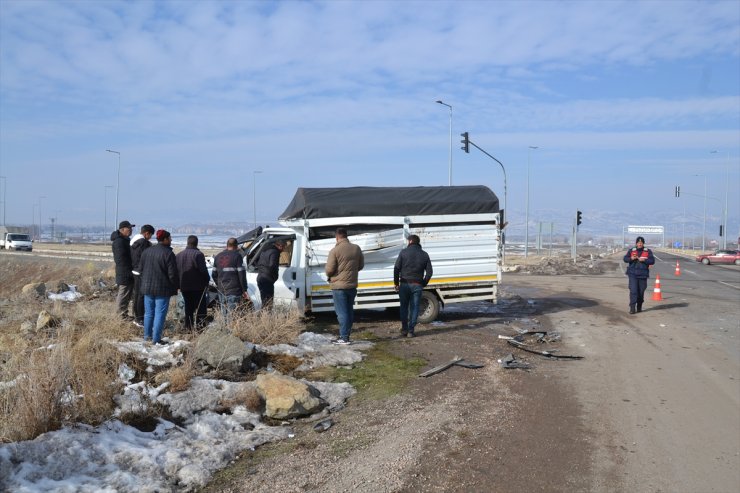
{"x": 629, "y": 417}
{"x": 654, "y": 406}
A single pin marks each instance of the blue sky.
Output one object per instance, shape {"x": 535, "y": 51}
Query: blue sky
{"x": 624, "y": 100}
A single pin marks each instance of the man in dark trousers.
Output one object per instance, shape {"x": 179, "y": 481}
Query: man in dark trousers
{"x": 159, "y": 282}
{"x": 139, "y": 243}
{"x": 639, "y": 259}
{"x": 412, "y": 272}
{"x": 121, "y": 245}
{"x": 191, "y": 264}
{"x": 230, "y": 277}
{"x": 268, "y": 267}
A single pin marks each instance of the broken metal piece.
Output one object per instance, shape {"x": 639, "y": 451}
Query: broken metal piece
{"x": 441, "y": 368}
{"x": 549, "y": 354}
{"x": 465, "y": 364}
{"x": 511, "y": 362}
{"x": 323, "y": 425}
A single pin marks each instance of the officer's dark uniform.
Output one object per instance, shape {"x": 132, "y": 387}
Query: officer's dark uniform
{"x": 639, "y": 260}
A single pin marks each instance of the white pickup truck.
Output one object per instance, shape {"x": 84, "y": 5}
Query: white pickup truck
{"x": 458, "y": 226}
{"x": 14, "y": 238}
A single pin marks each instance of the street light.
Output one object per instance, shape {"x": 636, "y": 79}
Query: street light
{"x": 40, "y": 216}
{"x": 727, "y": 191}
{"x": 118, "y": 181}
{"x": 704, "y": 227}
{"x": 254, "y": 194}
{"x": 449, "y": 175}
{"x": 526, "y": 209}
{"x": 105, "y": 220}
{"x": 5, "y": 195}
{"x": 33, "y": 219}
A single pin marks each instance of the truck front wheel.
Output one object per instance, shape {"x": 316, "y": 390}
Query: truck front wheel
{"x": 428, "y": 307}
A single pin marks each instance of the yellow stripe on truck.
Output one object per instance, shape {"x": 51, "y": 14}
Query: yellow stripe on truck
{"x": 389, "y": 284}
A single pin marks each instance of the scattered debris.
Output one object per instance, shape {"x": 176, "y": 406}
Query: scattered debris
{"x": 509, "y": 362}
{"x": 465, "y": 364}
{"x": 323, "y": 425}
{"x": 549, "y": 354}
{"x": 456, "y": 361}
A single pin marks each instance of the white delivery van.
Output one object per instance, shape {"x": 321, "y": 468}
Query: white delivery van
{"x": 15, "y": 238}
{"x": 459, "y": 226}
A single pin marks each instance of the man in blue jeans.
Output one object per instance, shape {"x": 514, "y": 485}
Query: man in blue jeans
{"x": 412, "y": 272}
{"x": 159, "y": 281}
{"x": 343, "y": 265}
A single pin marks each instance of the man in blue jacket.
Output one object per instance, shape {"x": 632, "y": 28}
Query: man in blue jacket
{"x": 639, "y": 259}
{"x": 412, "y": 271}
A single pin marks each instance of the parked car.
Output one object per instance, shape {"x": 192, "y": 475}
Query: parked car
{"x": 720, "y": 257}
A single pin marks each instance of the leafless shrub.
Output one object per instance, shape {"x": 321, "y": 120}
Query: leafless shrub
{"x": 249, "y": 398}
{"x": 267, "y": 327}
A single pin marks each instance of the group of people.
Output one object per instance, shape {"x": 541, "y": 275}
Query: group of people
{"x": 151, "y": 274}
{"x": 411, "y": 273}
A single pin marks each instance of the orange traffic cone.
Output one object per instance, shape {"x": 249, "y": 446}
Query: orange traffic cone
{"x": 656, "y": 290}
{"x": 678, "y": 269}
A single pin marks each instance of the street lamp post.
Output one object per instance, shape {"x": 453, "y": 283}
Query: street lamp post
{"x": 40, "y": 216}
{"x": 105, "y": 210}
{"x": 5, "y": 196}
{"x": 704, "y": 227}
{"x": 33, "y": 219}
{"x": 526, "y": 209}
{"x": 727, "y": 191}
{"x": 254, "y": 194}
{"x": 449, "y": 173}
{"x": 118, "y": 181}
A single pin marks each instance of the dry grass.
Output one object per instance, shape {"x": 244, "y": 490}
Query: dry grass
{"x": 276, "y": 326}
{"x": 68, "y": 373}
{"x": 65, "y": 377}
{"x": 249, "y": 397}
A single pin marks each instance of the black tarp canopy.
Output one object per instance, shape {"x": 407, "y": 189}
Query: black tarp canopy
{"x": 313, "y": 203}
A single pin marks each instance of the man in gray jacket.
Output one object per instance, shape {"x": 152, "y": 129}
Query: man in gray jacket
{"x": 343, "y": 265}
{"x": 413, "y": 271}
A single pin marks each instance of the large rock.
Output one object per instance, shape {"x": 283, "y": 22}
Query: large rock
{"x": 35, "y": 288}
{"x": 46, "y": 320}
{"x": 286, "y": 397}
{"x": 28, "y": 329}
{"x": 223, "y": 351}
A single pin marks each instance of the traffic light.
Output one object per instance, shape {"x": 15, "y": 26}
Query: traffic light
{"x": 678, "y": 191}
{"x": 721, "y": 230}
{"x": 578, "y": 218}
{"x": 465, "y": 142}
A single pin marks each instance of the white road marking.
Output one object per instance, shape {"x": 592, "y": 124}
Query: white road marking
{"x": 728, "y": 284}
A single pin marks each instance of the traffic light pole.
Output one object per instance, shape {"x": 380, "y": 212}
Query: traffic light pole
{"x": 466, "y": 143}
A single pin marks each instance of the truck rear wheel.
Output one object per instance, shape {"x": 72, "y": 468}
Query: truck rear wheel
{"x": 428, "y": 307}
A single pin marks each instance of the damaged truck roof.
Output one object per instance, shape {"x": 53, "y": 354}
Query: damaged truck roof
{"x": 313, "y": 203}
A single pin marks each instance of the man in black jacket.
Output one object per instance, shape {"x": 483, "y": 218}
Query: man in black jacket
{"x": 230, "y": 277}
{"x": 159, "y": 281}
{"x": 121, "y": 245}
{"x": 139, "y": 243}
{"x": 191, "y": 264}
{"x": 268, "y": 266}
{"x": 412, "y": 272}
